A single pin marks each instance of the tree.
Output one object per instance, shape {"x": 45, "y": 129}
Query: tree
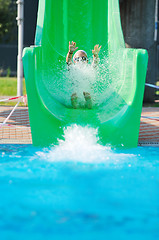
{"x": 7, "y": 20}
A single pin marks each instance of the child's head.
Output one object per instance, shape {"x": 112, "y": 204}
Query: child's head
{"x": 80, "y": 56}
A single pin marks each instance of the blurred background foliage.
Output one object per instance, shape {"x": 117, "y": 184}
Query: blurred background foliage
{"x": 7, "y": 20}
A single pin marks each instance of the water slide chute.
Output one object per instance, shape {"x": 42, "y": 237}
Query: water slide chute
{"x": 117, "y": 86}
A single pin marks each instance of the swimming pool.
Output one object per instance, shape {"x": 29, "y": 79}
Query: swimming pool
{"x": 79, "y": 190}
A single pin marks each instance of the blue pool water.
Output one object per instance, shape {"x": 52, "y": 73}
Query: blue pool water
{"x": 79, "y": 190}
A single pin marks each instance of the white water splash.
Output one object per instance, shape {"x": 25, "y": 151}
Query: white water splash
{"x": 80, "y": 145}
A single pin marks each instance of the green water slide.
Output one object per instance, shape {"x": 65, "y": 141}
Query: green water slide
{"x": 117, "y": 84}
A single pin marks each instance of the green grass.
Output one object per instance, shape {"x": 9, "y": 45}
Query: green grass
{"x": 21, "y": 104}
{"x": 157, "y": 93}
{"x": 8, "y": 87}
{"x": 151, "y": 105}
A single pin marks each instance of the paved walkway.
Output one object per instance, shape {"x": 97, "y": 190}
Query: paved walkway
{"x": 17, "y": 128}
{"x": 149, "y": 126}
{"x": 18, "y": 131}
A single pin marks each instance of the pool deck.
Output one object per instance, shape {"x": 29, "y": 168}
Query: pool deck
{"x": 149, "y": 126}
{"x": 17, "y": 128}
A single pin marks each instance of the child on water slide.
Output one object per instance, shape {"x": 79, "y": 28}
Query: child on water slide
{"x": 81, "y": 57}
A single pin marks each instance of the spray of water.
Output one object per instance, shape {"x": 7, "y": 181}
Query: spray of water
{"x": 106, "y": 86}
{"x": 80, "y": 145}
{"x": 101, "y": 82}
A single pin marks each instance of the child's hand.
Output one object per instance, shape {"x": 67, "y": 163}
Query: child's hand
{"x": 72, "y": 47}
{"x": 96, "y": 50}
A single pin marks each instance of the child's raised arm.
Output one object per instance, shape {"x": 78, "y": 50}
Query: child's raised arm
{"x": 95, "y": 52}
{"x": 72, "y": 48}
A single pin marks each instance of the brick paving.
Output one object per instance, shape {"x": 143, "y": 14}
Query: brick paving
{"x": 149, "y": 126}
{"x": 18, "y": 131}
{"x": 17, "y": 128}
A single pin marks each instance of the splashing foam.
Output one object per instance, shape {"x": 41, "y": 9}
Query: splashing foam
{"x": 80, "y": 145}
{"x": 101, "y": 82}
